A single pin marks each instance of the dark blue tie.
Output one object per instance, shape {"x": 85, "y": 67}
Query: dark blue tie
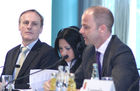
{"x": 99, "y": 63}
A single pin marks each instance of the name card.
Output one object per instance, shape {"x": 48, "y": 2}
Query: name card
{"x": 98, "y": 85}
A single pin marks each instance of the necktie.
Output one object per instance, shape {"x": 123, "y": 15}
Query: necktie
{"x": 98, "y": 62}
{"x": 24, "y": 50}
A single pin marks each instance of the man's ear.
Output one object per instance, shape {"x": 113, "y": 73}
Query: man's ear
{"x": 41, "y": 30}
{"x": 102, "y": 28}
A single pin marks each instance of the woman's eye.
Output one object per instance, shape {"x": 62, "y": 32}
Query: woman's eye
{"x": 68, "y": 48}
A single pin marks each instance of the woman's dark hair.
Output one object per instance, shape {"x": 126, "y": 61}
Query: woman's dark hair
{"x": 74, "y": 39}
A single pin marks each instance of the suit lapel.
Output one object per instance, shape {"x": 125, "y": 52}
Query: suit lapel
{"x": 15, "y": 57}
{"x": 107, "y": 58}
{"x": 90, "y": 58}
{"x": 90, "y": 67}
{"x": 30, "y": 57}
{"x": 11, "y": 60}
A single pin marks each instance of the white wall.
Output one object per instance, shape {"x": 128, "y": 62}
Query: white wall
{"x": 132, "y": 27}
{"x": 9, "y": 15}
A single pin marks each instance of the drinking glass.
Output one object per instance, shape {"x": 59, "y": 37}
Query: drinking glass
{"x": 6, "y": 82}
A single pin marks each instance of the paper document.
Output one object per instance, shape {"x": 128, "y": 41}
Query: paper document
{"x": 38, "y": 78}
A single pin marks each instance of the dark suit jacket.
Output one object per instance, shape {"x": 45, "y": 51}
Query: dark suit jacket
{"x": 118, "y": 63}
{"x": 41, "y": 56}
{"x": 64, "y": 63}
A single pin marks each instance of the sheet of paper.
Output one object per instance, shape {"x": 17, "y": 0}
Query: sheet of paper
{"x": 98, "y": 85}
{"x": 38, "y": 78}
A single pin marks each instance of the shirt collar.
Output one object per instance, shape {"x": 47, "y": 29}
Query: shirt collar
{"x": 103, "y": 47}
{"x": 30, "y": 45}
{"x": 71, "y": 63}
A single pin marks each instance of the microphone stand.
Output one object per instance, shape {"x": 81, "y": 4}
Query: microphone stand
{"x": 63, "y": 58}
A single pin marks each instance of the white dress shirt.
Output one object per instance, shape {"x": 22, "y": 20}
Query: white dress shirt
{"x": 103, "y": 48}
{"x": 29, "y": 49}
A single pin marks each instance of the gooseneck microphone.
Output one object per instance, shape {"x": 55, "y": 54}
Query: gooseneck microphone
{"x": 63, "y": 58}
{"x": 16, "y": 66}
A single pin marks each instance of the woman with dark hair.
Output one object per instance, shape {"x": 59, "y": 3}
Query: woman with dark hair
{"x": 69, "y": 42}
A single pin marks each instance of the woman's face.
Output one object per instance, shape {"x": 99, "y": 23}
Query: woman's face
{"x": 65, "y": 49}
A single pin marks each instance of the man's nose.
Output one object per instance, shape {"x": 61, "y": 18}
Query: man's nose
{"x": 81, "y": 31}
{"x": 29, "y": 26}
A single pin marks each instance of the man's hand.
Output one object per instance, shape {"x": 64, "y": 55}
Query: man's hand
{"x": 0, "y": 86}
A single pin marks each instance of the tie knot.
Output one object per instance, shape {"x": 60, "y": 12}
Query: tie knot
{"x": 24, "y": 50}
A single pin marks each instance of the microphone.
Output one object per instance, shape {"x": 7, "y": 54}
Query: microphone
{"x": 63, "y": 58}
{"x": 17, "y": 66}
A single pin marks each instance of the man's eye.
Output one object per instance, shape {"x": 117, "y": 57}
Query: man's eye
{"x": 85, "y": 27}
{"x": 34, "y": 23}
{"x": 26, "y": 22}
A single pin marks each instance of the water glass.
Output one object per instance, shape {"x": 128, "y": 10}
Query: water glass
{"x": 6, "y": 84}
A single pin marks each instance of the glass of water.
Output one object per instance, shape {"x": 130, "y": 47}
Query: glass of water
{"x": 6, "y": 82}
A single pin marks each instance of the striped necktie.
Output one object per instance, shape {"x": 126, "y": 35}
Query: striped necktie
{"x": 98, "y": 62}
{"x": 24, "y": 50}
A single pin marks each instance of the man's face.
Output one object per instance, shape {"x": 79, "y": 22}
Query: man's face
{"x": 89, "y": 28}
{"x": 30, "y": 26}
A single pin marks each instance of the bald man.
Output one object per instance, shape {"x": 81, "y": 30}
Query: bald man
{"x": 116, "y": 58}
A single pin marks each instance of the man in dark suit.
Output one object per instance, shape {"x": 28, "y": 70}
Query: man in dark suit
{"x": 116, "y": 58}
{"x": 39, "y": 55}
